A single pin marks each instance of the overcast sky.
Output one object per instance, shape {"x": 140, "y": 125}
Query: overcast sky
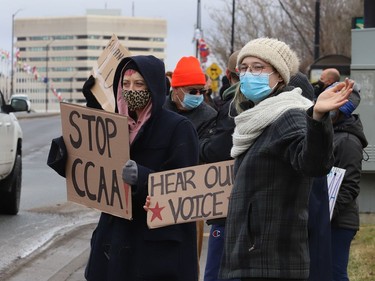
{"x": 181, "y": 16}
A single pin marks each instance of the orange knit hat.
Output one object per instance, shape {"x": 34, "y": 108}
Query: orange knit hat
{"x": 188, "y": 72}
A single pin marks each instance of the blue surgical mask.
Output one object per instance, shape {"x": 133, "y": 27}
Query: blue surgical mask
{"x": 191, "y": 101}
{"x": 255, "y": 87}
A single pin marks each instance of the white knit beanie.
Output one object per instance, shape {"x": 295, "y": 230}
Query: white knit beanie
{"x": 273, "y": 51}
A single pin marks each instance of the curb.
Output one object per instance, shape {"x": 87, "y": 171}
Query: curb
{"x": 24, "y": 115}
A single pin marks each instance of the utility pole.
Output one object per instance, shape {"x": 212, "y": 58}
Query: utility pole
{"x": 317, "y": 30}
{"x": 198, "y": 29}
{"x": 232, "y": 36}
{"x": 47, "y": 78}
{"x": 12, "y": 56}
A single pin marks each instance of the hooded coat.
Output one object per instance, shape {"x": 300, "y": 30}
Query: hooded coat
{"x": 349, "y": 142}
{"x": 127, "y": 249}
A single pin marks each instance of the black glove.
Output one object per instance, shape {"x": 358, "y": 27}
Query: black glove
{"x": 91, "y": 101}
{"x": 57, "y": 156}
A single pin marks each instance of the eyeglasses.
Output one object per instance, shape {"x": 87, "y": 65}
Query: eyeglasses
{"x": 201, "y": 91}
{"x": 255, "y": 69}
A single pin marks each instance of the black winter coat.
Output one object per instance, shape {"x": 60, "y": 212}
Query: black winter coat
{"x": 349, "y": 141}
{"x": 129, "y": 250}
{"x": 216, "y": 146}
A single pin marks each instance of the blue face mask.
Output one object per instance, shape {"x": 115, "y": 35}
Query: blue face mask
{"x": 191, "y": 101}
{"x": 255, "y": 87}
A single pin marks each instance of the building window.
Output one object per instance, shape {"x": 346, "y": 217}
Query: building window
{"x": 62, "y": 48}
{"x": 40, "y": 38}
{"x": 37, "y": 59}
{"x": 35, "y": 49}
{"x": 139, "y": 38}
{"x": 63, "y": 37}
{"x": 139, "y": 49}
{"x": 63, "y": 58}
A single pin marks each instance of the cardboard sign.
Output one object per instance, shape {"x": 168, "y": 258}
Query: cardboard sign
{"x": 190, "y": 194}
{"x": 104, "y": 73}
{"x": 334, "y": 180}
{"x": 98, "y": 146}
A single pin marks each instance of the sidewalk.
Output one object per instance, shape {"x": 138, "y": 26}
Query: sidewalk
{"x": 32, "y": 114}
{"x": 65, "y": 258}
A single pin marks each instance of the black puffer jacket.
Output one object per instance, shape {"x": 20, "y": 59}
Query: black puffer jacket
{"x": 349, "y": 141}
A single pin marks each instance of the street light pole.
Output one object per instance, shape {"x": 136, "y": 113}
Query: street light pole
{"x": 317, "y": 30}
{"x": 47, "y": 78}
{"x": 198, "y": 34}
{"x": 232, "y": 35}
{"x": 12, "y": 56}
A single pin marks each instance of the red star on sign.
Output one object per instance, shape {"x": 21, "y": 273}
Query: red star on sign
{"x": 156, "y": 212}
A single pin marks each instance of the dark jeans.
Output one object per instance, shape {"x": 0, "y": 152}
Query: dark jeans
{"x": 214, "y": 253}
{"x": 341, "y": 240}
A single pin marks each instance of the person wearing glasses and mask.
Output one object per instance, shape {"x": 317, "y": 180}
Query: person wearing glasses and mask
{"x": 187, "y": 98}
{"x": 280, "y": 143}
{"x": 187, "y": 95}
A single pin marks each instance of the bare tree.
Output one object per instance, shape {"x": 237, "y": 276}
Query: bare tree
{"x": 292, "y": 21}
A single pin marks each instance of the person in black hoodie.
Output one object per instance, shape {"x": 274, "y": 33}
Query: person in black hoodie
{"x": 349, "y": 141}
{"x": 159, "y": 140}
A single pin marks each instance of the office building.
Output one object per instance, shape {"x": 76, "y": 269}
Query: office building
{"x": 63, "y": 50}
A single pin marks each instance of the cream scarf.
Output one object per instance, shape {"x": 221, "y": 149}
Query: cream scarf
{"x": 251, "y": 123}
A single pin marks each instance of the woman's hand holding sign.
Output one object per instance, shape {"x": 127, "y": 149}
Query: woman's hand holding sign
{"x": 130, "y": 172}
{"x": 147, "y": 203}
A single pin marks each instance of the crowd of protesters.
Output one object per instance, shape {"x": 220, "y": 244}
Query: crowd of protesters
{"x": 284, "y": 135}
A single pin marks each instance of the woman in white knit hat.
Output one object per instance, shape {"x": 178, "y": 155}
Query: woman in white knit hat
{"x": 281, "y": 141}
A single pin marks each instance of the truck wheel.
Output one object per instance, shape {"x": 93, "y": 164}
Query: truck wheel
{"x": 10, "y": 194}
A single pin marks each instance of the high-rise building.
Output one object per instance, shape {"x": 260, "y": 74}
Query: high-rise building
{"x": 60, "y": 52}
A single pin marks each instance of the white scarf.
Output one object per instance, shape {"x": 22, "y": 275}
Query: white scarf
{"x": 251, "y": 123}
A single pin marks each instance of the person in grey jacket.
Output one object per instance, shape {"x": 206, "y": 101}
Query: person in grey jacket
{"x": 349, "y": 141}
{"x": 280, "y": 142}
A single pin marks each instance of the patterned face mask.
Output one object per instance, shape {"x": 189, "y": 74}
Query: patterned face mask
{"x": 136, "y": 99}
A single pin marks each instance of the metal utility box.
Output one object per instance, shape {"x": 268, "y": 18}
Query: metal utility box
{"x": 362, "y": 70}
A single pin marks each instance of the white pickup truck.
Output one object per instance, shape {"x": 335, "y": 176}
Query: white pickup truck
{"x": 10, "y": 155}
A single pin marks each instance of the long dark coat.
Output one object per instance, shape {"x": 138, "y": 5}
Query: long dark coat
{"x": 266, "y": 227}
{"x": 127, "y": 250}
